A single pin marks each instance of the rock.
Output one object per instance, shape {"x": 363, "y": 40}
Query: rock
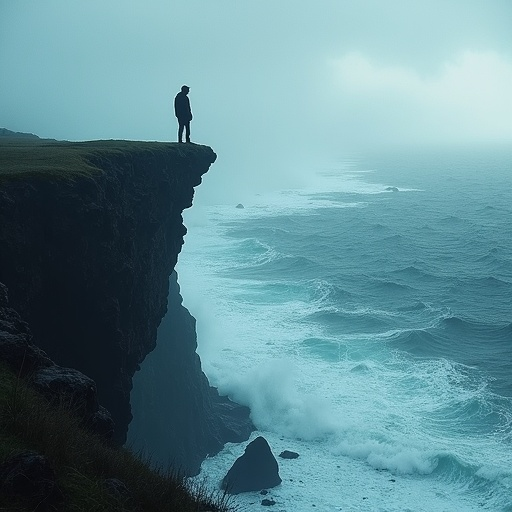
{"x": 392, "y": 189}
{"x": 77, "y": 391}
{"x": 267, "y": 503}
{"x": 20, "y": 355}
{"x": 234, "y": 419}
{"x": 29, "y": 477}
{"x": 240, "y": 206}
{"x": 256, "y": 469}
{"x": 286, "y": 454}
{"x": 55, "y": 382}
{"x": 16, "y": 347}
{"x": 263, "y": 492}
{"x": 101, "y": 423}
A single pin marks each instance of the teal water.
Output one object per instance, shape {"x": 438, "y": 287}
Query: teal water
{"x": 367, "y": 322}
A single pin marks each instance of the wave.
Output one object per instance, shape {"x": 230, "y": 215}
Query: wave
{"x": 390, "y": 286}
{"x": 446, "y": 466}
{"x": 495, "y": 262}
{"x": 451, "y": 220}
{"x": 484, "y": 347}
{"x": 255, "y": 259}
{"x": 492, "y": 282}
{"x": 496, "y": 334}
{"x": 379, "y": 454}
{"x": 330, "y": 350}
{"x": 274, "y": 267}
{"x": 326, "y": 294}
{"x": 416, "y": 306}
{"x": 420, "y": 342}
{"x": 453, "y": 334}
{"x": 413, "y": 272}
{"x": 350, "y": 322}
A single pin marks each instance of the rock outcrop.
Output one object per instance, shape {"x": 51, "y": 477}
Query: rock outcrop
{"x": 287, "y": 454}
{"x": 256, "y": 469}
{"x": 89, "y": 235}
{"x": 59, "y": 385}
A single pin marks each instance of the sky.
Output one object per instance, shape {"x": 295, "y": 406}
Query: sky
{"x": 274, "y": 84}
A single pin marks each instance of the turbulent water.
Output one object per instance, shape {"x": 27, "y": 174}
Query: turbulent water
{"x": 367, "y": 322}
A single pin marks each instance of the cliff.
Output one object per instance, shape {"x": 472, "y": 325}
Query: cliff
{"x": 89, "y": 235}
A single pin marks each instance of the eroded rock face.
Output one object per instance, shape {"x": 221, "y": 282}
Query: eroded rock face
{"x": 256, "y": 469}
{"x": 178, "y": 418}
{"x": 59, "y": 385}
{"x": 16, "y": 347}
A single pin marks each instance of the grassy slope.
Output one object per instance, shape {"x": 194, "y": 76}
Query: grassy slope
{"x": 83, "y": 461}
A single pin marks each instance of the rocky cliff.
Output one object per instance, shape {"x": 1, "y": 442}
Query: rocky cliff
{"x": 89, "y": 235}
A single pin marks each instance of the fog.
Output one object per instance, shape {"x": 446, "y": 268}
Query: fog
{"x": 275, "y": 86}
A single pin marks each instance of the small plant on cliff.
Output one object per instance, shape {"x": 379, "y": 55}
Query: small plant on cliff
{"x": 90, "y": 474}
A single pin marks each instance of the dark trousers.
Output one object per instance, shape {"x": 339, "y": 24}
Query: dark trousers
{"x": 183, "y": 124}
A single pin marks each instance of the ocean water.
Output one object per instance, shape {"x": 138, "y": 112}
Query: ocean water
{"x": 367, "y": 322}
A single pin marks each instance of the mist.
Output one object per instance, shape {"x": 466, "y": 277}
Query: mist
{"x": 276, "y": 88}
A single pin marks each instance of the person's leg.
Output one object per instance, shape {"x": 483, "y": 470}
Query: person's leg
{"x": 187, "y": 131}
{"x": 180, "y": 131}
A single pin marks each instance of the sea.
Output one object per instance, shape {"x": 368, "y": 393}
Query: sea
{"x": 366, "y": 320}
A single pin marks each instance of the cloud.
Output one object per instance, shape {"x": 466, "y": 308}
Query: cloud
{"x": 467, "y": 98}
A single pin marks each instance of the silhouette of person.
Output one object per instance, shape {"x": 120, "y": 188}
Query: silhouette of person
{"x": 183, "y": 113}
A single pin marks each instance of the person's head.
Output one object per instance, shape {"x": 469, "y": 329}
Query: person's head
{"x": 185, "y": 89}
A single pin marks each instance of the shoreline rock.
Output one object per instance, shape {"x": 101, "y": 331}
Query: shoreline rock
{"x": 256, "y": 469}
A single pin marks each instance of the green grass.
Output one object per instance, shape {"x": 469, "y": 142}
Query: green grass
{"x": 22, "y": 158}
{"x": 83, "y": 461}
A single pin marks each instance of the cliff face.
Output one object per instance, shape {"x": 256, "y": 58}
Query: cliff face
{"x": 89, "y": 234}
{"x": 169, "y": 397}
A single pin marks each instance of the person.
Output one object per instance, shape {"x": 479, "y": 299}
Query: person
{"x": 183, "y": 113}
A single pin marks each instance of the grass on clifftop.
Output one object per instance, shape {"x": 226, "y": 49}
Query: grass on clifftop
{"x": 82, "y": 461}
{"x": 22, "y": 157}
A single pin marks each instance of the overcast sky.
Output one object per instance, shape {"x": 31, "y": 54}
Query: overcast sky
{"x": 271, "y": 80}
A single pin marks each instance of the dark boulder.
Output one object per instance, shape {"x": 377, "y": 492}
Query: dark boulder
{"x": 67, "y": 386}
{"x": 268, "y": 503}
{"x": 76, "y": 391}
{"x": 256, "y": 469}
{"x": 30, "y": 477}
{"x": 287, "y": 454}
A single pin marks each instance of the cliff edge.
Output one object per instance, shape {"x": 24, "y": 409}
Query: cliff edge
{"x": 89, "y": 235}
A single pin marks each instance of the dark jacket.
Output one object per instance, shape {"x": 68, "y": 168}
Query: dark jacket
{"x": 182, "y": 107}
